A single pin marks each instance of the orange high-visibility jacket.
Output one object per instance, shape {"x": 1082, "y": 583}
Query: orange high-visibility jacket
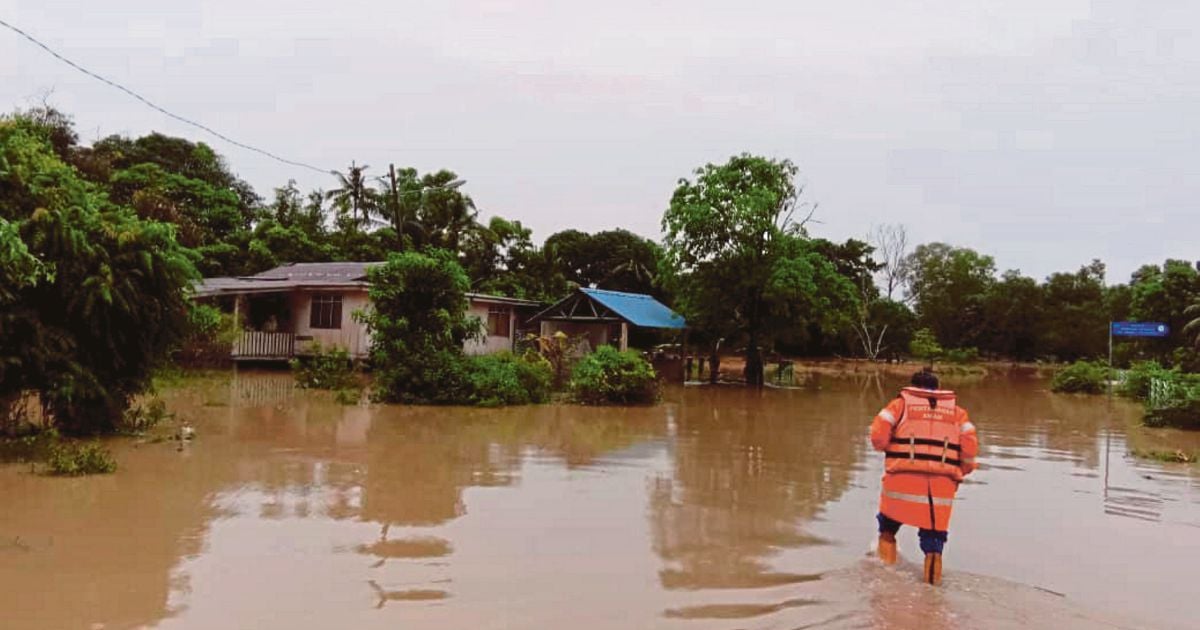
{"x": 930, "y": 445}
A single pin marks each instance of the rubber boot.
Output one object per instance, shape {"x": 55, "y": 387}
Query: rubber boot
{"x": 887, "y": 547}
{"x": 933, "y": 568}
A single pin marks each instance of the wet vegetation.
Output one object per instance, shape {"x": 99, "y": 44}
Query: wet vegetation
{"x": 507, "y": 379}
{"x": 325, "y": 368}
{"x": 1081, "y": 377}
{"x": 611, "y": 377}
{"x": 142, "y": 418}
{"x": 72, "y": 459}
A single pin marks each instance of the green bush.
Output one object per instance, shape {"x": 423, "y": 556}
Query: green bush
{"x": 1172, "y": 399}
{"x": 608, "y": 376}
{"x": 1083, "y": 377}
{"x": 71, "y": 459}
{"x": 418, "y": 321}
{"x": 961, "y": 355}
{"x": 506, "y": 379}
{"x": 1139, "y": 376}
{"x": 924, "y": 345}
{"x": 210, "y": 337}
{"x": 324, "y": 369}
{"x": 138, "y": 419}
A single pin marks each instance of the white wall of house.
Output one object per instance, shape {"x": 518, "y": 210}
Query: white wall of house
{"x": 350, "y": 334}
{"x": 498, "y": 320}
{"x": 491, "y": 343}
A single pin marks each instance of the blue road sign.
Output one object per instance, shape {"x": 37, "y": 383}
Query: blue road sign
{"x": 1140, "y": 329}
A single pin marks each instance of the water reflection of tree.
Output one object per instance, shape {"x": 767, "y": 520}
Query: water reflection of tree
{"x": 421, "y": 459}
{"x": 299, "y": 456}
{"x": 750, "y": 469}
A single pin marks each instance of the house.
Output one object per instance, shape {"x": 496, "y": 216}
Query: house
{"x": 605, "y": 317}
{"x": 291, "y": 308}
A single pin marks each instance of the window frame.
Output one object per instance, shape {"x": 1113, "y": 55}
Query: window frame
{"x": 325, "y": 311}
{"x": 500, "y": 310}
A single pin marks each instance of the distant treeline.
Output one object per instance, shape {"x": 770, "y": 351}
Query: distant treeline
{"x": 737, "y": 257}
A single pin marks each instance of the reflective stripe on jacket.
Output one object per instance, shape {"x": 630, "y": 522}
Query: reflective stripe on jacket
{"x": 929, "y": 443}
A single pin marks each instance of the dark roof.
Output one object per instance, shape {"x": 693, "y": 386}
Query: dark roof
{"x": 319, "y": 272}
{"x": 332, "y": 275}
{"x": 635, "y": 308}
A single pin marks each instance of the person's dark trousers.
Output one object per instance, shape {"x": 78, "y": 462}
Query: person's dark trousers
{"x": 932, "y": 541}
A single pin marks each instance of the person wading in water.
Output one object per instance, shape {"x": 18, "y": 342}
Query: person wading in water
{"x": 929, "y": 445}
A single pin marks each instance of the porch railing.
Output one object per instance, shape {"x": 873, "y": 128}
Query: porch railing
{"x": 264, "y": 345}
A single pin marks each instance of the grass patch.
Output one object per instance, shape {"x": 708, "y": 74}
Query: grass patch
{"x": 1167, "y": 456}
{"x": 73, "y": 459}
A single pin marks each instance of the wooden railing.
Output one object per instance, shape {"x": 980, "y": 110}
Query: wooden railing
{"x": 264, "y": 345}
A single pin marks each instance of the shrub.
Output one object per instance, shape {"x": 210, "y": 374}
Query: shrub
{"x": 209, "y": 338}
{"x": 558, "y": 351}
{"x": 925, "y": 345}
{"x": 506, "y": 379}
{"x": 608, "y": 376}
{"x": 1085, "y": 377}
{"x": 418, "y": 321}
{"x": 324, "y": 369}
{"x": 1138, "y": 378}
{"x": 71, "y": 459}
{"x": 1173, "y": 400}
{"x": 961, "y": 355}
{"x": 139, "y": 419}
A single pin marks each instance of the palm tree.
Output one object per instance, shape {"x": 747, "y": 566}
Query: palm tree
{"x": 352, "y": 193}
{"x": 1193, "y": 327}
{"x": 400, "y": 197}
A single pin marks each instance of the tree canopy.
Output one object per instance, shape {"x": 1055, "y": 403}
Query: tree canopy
{"x": 95, "y": 297}
{"x": 739, "y": 262}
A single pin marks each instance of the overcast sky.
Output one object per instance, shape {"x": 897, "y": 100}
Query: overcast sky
{"x": 1043, "y": 133}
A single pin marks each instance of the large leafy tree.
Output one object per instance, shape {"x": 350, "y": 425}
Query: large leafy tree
{"x": 1013, "y": 317}
{"x": 949, "y": 286}
{"x": 1164, "y": 294}
{"x": 1075, "y": 317}
{"x": 418, "y": 321}
{"x": 446, "y": 213}
{"x": 104, "y": 298}
{"x": 501, "y": 258}
{"x": 614, "y": 259}
{"x": 739, "y": 261}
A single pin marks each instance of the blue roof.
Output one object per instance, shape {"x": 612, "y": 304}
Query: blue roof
{"x": 638, "y": 309}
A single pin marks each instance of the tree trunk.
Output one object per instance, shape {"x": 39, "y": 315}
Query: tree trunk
{"x": 714, "y": 366}
{"x": 754, "y": 363}
{"x": 753, "y": 371}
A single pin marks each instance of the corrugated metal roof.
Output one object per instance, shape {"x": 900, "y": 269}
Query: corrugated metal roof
{"x": 328, "y": 272}
{"x": 637, "y": 308}
{"x": 314, "y": 276}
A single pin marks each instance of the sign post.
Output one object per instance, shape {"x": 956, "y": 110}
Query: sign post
{"x": 1125, "y": 329}
{"x": 1131, "y": 329}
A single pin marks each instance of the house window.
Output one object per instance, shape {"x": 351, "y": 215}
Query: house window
{"x": 326, "y": 311}
{"x": 497, "y": 322}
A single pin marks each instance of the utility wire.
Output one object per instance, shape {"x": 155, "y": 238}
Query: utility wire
{"x": 156, "y": 107}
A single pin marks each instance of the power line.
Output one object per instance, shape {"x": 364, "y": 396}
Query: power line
{"x": 156, "y": 107}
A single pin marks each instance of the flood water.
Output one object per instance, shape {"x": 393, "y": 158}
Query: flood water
{"x": 719, "y": 508}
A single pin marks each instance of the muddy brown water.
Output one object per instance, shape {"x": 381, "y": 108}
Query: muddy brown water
{"x": 718, "y": 508}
